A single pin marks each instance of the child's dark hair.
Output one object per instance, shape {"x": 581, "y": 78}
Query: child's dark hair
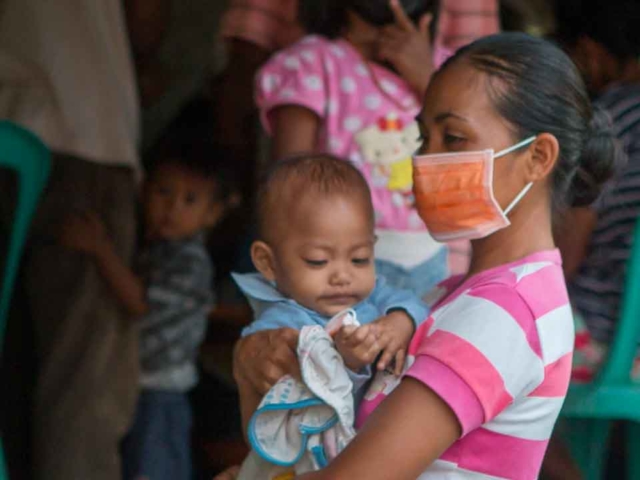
{"x": 290, "y": 180}
{"x": 613, "y": 23}
{"x": 536, "y": 87}
{"x": 329, "y": 17}
{"x": 197, "y": 153}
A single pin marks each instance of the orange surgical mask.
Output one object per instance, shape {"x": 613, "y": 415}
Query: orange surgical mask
{"x": 454, "y": 193}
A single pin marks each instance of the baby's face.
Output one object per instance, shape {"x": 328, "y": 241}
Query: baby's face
{"x": 324, "y": 257}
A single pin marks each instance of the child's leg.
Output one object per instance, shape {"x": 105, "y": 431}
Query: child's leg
{"x": 159, "y": 444}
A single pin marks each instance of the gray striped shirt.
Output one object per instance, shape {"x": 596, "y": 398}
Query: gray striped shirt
{"x": 597, "y": 289}
{"x": 178, "y": 276}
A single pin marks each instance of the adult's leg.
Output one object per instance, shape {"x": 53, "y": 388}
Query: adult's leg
{"x": 87, "y": 377}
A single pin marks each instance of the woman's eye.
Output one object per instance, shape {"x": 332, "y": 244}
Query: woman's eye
{"x": 361, "y": 261}
{"x": 191, "y": 198}
{"x": 450, "y": 139}
{"x": 163, "y": 190}
{"x": 315, "y": 263}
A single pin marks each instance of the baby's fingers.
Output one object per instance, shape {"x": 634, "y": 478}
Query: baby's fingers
{"x": 388, "y": 354}
{"x": 399, "y": 362}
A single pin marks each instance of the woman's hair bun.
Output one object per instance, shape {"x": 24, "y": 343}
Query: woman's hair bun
{"x": 601, "y": 157}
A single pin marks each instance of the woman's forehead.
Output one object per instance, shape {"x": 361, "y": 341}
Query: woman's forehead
{"x": 460, "y": 90}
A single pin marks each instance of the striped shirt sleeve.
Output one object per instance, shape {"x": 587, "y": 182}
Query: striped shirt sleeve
{"x": 480, "y": 353}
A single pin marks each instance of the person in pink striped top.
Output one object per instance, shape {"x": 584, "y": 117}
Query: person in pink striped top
{"x": 510, "y": 140}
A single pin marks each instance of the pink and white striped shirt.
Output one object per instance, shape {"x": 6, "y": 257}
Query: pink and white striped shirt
{"x": 497, "y": 348}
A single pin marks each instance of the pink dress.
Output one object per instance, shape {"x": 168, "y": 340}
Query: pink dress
{"x": 367, "y": 115}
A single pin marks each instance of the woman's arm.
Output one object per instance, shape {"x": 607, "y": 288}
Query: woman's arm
{"x": 406, "y": 433}
{"x": 295, "y": 130}
{"x": 573, "y": 238}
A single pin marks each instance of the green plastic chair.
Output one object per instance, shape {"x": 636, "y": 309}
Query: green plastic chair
{"x": 591, "y": 408}
{"x": 24, "y": 153}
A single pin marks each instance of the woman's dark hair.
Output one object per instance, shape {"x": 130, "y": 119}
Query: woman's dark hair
{"x": 536, "y": 87}
{"x": 613, "y": 24}
{"x": 329, "y": 17}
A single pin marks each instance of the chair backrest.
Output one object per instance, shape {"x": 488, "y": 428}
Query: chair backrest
{"x": 617, "y": 367}
{"x": 27, "y": 156}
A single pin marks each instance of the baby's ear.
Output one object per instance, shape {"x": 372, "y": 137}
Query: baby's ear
{"x": 263, "y": 259}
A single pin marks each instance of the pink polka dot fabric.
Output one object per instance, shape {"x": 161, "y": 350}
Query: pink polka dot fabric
{"x": 367, "y": 115}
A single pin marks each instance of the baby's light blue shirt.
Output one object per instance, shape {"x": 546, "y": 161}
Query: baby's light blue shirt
{"x": 273, "y": 310}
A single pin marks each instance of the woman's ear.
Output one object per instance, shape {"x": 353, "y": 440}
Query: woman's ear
{"x": 544, "y": 155}
{"x": 263, "y": 259}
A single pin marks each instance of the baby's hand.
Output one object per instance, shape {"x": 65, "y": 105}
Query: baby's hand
{"x": 394, "y": 334}
{"x": 358, "y": 345}
{"x": 84, "y": 232}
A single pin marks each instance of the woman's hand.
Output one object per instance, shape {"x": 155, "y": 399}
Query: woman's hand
{"x": 262, "y": 358}
{"x": 408, "y": 48}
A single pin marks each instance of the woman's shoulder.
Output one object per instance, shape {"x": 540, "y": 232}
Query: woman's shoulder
{"x": 526, "y": 299}
{"x": 537, "y": 280}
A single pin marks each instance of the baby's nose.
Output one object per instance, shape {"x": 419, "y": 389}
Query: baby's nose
{"x": 340, "y": 277}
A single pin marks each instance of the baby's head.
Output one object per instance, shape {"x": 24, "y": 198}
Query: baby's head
{"x": 316, "y": 233}
{"x": 187, "y": 190}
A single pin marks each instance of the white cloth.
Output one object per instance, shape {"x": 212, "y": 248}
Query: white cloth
{"x": 27, "y": 98}
{"x": 300, "y": 427}
{"x": 82, "y": 47}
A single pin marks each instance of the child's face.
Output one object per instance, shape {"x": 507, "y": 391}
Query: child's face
{"x": 324, "y": 256}
{"x": 178, "y": 203}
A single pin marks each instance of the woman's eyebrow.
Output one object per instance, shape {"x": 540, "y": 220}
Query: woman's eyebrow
{"x": 441, "y": 117}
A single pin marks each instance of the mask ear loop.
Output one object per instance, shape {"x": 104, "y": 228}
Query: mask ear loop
{"x": 526, "y": 189}
{"x": 515, "y": 147}
{"x": 519, "y": 197}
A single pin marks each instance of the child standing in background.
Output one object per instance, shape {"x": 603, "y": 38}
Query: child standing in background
{"x": 352, "y": 88}
{"x": 169, "y": 295}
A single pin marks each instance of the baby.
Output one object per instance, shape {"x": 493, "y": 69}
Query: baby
{"x": 315, "y": 258}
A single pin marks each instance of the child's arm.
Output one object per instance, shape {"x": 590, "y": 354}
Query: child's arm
{"x": 86, "y": 233}
{"x": 295, "y": 130}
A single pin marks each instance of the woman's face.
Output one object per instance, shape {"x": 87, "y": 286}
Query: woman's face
{"x": 458, "y": 116}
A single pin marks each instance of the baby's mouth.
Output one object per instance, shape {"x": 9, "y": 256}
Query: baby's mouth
{"x": 340, "y": 299}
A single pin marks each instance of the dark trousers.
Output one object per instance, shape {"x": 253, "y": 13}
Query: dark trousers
{"x": 85, "y": 346}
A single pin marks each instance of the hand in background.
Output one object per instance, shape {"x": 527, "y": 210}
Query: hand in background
{"x": 358, "y": 345}
{"x": 394, "y": 334}
{"x": 84, "y": 232}
{"x": 408, "y": 48}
